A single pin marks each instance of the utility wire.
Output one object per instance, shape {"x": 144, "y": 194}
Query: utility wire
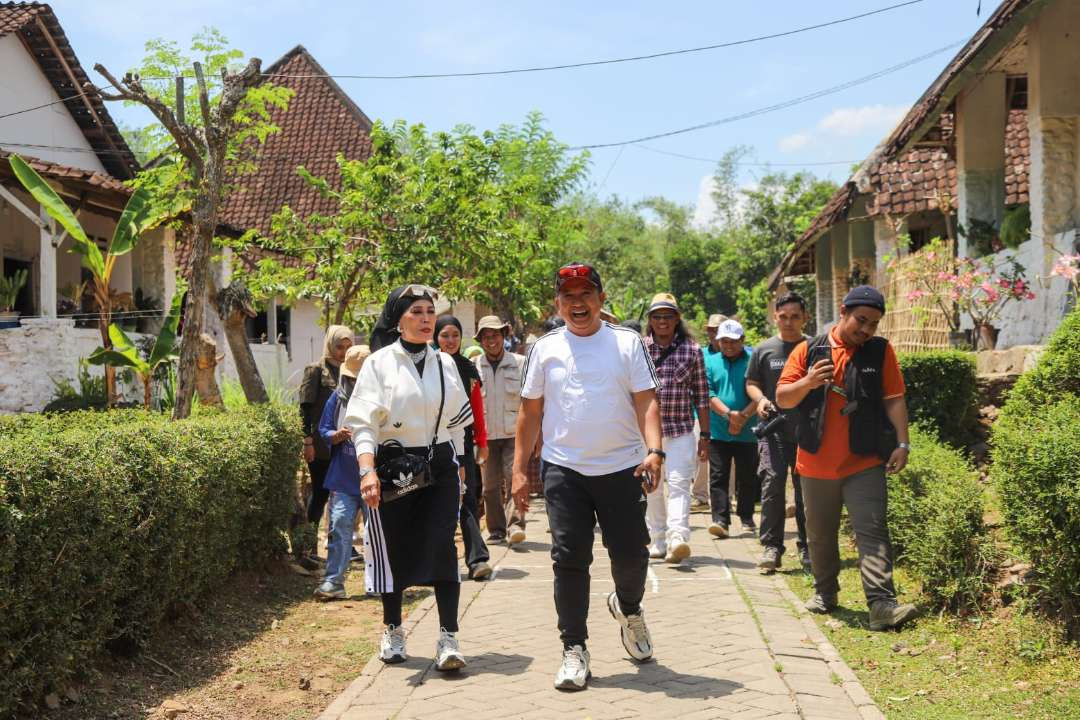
{"x": 773, "y": 108}
{"x": 613, "y": 61}
{"x": 764, "y": 163}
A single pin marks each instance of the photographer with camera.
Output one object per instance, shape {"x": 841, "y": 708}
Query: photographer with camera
{"x": 776, "y": 434}
{"x": 852, "y": 429}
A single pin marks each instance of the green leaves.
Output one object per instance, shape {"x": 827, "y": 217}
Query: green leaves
{"x": 123, "y": 352}
{"x": 59, "y": 211}
{"x": 138, "y": 216}
{"x": 165, "y": 345}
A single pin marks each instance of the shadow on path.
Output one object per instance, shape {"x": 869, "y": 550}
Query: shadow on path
{"x": 656, "y": 678}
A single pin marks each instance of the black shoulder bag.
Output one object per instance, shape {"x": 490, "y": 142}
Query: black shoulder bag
{"x": 401, "y": 473}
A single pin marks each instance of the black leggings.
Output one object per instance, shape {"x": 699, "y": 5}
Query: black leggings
{"x": 446, "y": 598}
{"x": 319, "y": 495}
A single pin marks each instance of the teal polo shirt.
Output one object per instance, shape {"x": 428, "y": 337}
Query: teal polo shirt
{"x": 727, "y": 381}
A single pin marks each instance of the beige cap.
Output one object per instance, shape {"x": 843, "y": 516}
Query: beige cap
{"x": 609, "y": 316}
{"x": 354, "y": 359}
{"x": 716, "y": 320}
{"x": 663, "y": 301}
{"x": 491, "y": 322}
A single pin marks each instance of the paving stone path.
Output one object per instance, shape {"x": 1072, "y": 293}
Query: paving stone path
{"x": 728, "y": 643}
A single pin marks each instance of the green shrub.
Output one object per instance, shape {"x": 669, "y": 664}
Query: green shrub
{"x": 935, "y": 517}
{"x": 108, "y": 520}
{"x": 1037, "y": 473}
{"x": 942, "y": 393}
{"x": 1036, "y": 469}
{"x": 1056, "y": 374}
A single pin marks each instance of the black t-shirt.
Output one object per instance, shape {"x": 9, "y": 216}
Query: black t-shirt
{"x": 766, "y": 364}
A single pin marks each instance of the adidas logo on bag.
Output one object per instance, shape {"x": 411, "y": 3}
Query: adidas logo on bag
{"x": 403, "y": 480}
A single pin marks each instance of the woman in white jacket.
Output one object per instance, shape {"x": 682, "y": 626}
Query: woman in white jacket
{"x": 410, "y": 540}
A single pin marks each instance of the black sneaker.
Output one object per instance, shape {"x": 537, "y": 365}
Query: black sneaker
{"x": 804, "y": 558}
{"x": 496, "y": 538}
{"x": 356, "y": 556}
{"x": 770, "y": 561}
{"x": 748, "y": 525}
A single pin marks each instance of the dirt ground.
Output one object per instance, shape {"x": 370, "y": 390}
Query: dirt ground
{"x": 259, "y": 648}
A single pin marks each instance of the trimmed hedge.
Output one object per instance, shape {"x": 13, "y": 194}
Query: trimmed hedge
{"x": 108, "y": 520}
{"x": 935, "y": 517}
{"x": 1036, "y": 468}
{"x": 942, "y": 393}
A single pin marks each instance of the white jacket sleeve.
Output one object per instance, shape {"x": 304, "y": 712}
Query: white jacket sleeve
{"x": 367, "y": 409}
{"x": 459, "y": 414}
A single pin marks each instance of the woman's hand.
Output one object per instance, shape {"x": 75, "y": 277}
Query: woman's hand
{"x": 481, "y": 455}
{"x": 309, "y": 450}
{"x": 371, "y": 489}
{"x": 341, "y": 436}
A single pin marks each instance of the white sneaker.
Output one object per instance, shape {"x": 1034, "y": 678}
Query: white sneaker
{"x": 392, "y": 647}
{"x": 680, "y": 550}
{"x": 657, "y": 550}
{"x": 447, "y": 653}
{"x": 515, "y": 535}
{"x": 635, "y": 635}
{"x": 574, "y": 672}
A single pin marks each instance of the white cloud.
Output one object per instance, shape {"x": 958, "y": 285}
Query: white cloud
{"x": 846, "y": 122}
{"x": 791, "y": 143}
{"x": 854, "y": 121}
{"x": 705, "y": 207}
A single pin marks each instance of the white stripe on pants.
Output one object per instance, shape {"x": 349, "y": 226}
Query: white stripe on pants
{"x": 669, "y": 520}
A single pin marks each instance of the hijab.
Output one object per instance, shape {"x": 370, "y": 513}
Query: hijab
{"x": 334, "y": 335}
{"x": 465, "y": 369}
{"x": 398, "y": 301}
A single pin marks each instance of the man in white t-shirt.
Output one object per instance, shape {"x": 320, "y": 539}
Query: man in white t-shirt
{"x": 591, "y": 387}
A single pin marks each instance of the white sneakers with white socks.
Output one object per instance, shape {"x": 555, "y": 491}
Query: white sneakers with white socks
{"x": 448, "y": 654}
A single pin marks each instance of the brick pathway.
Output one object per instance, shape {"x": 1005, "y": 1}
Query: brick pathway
{"x": 728, "y": 643}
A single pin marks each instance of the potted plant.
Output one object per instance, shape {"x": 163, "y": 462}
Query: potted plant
{"x": 981, "y": 291}
{"x": 9, "y": 294}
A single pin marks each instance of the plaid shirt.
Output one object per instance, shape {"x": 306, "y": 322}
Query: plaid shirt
{"x": 683, "y": 388}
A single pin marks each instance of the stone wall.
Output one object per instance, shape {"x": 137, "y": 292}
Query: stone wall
{"x": 43, "y": 352}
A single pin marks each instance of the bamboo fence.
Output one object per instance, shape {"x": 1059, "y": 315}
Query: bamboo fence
{"x": 911, "y": 325}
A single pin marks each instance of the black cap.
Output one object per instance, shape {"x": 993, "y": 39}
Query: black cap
{"x": 867, "y": 296}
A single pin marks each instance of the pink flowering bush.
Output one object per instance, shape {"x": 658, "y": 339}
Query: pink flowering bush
{"x": 966, "y": 286}
{"x": 1068, "y": 267}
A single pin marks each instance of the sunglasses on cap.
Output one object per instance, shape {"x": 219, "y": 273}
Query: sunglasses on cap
{"x": 577, "y": 270}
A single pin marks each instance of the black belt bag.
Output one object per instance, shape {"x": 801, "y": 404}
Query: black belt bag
{"x": 402, "y": 473}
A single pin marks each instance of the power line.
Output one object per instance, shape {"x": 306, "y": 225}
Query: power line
{"x": 773, "y": 108}
{"x": 613, "y": 61}
{"x": 714, "y": 161}
{"x": 38, "y": 107}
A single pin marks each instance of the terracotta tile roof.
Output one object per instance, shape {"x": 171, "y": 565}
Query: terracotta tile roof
{"x": 1007, "y": 20}
{"x": 320, "y": 122}
{"x": 71, "y": 174}
{"x": 39, "y": 30}
{"x": 1017, "y": 158}
{"x": 14, "y": 16}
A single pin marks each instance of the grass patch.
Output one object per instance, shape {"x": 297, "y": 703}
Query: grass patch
{"x": 999, "y": 664}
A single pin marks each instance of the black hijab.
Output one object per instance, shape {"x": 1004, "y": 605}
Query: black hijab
{"x": 386, "y": 331}
{"x": 466, "y": 369}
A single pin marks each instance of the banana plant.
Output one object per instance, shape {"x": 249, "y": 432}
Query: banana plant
{"x": 137, "y": 217}
{"x": 123, "y": 352}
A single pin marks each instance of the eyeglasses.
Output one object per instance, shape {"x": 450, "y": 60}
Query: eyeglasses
{"x": 663, "y": 317}
{"x": 418, "y": 291}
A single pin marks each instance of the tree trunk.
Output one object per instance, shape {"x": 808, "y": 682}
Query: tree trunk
{"x": 106, "y": 342}
{"x": 235, "y": 305}
{"x": 147, "y": 379}
{"x": 206, "y": 359}
{"x": 195, "y": 309}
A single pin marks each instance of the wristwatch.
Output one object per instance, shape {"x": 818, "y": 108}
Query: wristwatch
{"x": 657, "y": 451}
{"x": 906, "y": 446}
{"x": 365, "y": 470}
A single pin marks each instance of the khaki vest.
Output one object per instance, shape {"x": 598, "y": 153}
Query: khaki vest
{"x": 502, "y": 394}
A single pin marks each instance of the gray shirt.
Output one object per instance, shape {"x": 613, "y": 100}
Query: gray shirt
{"x": 766, "y": 364}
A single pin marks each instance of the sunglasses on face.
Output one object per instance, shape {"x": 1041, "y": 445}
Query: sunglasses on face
{"x": 663, "y": 317}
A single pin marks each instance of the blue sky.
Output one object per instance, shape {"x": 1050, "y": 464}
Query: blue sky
{"x": 592, "y": 105}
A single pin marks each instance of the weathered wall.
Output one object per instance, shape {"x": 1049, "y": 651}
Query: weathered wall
{"x": 41, "y": 353}
{"x": 22, "y": 85}
{"x": 1032, "y": 321}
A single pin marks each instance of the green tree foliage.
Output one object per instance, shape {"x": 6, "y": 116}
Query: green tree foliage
{"x": 475, "y": 215}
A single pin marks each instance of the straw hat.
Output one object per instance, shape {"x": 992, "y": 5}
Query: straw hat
{"x": 354, "y": 359}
